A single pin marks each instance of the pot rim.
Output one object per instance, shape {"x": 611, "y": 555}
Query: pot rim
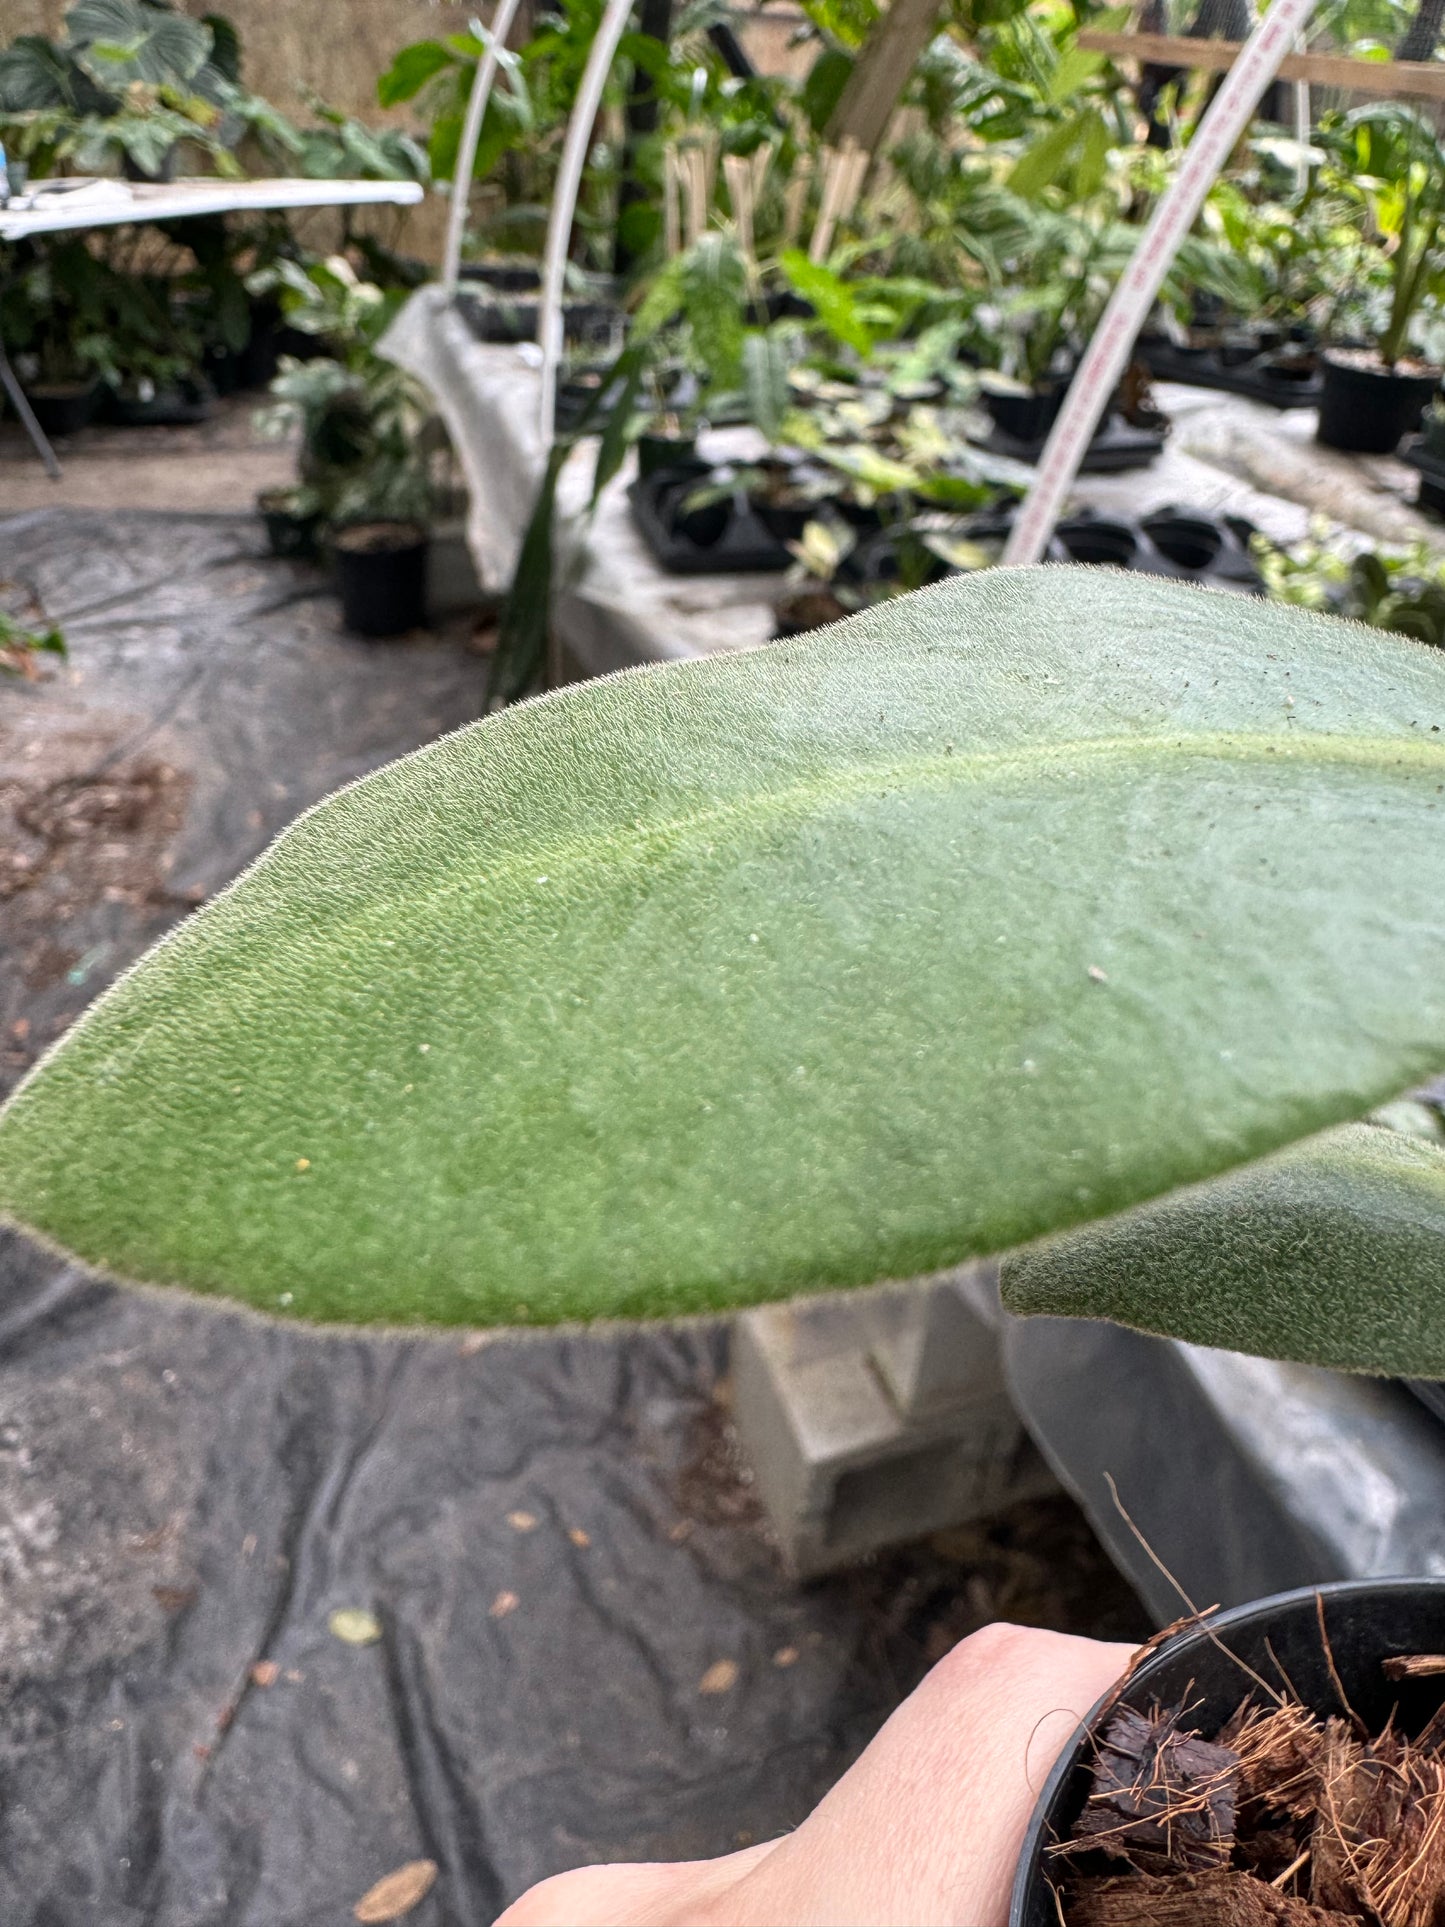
{"x": 415, "y": 535}
{"x": 1367, "y": 362}
{"x": 1202, "y": 1634}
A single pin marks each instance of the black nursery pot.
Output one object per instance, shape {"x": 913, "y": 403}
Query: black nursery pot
{"x": 381, "y": 573}
{"x": 655, "y": 452}
{"x": 64, "y": 410}
{"x": 1367, "y": 1620}
{"x": 289, "y": 535}
{"x": 1027, "y": 417}
{"x": 1367, "y": 408}
{"x": 191, "y": 399}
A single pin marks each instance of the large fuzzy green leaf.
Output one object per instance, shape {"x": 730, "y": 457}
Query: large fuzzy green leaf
{"x": 1332, "y": 1252}
{"x": 993, "y": 910}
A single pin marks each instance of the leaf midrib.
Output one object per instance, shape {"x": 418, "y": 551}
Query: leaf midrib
{"x": 934, "y": 771}
{"x": 938, "y": 770}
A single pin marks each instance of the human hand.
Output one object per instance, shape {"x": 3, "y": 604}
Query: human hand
{"x": 922, "y": 1831}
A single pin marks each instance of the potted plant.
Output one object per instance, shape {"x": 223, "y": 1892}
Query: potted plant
{"x": 800, "y": 967}
{"x": 53, "y": 314}
{"x": 1244, "y": 1769}
{"x": 294, "y": 518}
{"x": 127, "y": 89}
{"x": 365, "y": 484}
{"x": 1374, "y": 396}
{"x": 367, "y": 447}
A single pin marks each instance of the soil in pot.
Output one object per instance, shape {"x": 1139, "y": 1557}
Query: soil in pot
{"x": 65, "y": 407}
{"x": 1282, "y": 1765}
{"x": 1365, "y": 407}
{"x": 807, "y": 609}
{"x": 381, "y": 573}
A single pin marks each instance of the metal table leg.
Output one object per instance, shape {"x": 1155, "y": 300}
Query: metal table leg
{"x": 27, "y": 415}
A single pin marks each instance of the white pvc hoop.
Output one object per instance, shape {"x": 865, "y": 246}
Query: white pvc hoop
{"x": 564, "y": 202}
{"x": 1108, "y": 353}
{"x": 471, "y": 134}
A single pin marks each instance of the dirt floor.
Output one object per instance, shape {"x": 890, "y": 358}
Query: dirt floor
{"x": 585, "y": 1645}
{"x": 216, "y": 465}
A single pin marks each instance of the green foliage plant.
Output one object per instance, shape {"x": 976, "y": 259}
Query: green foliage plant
{"x": 1402, "y": 590}
{"x": 1399, "y": 166}
{"x": 57, "y": 318}
{"x": 1029, "y": 907}
{"x": 368, "y": 451}
{"x": 129, "y": 82}
{"x": 24, "y": 640}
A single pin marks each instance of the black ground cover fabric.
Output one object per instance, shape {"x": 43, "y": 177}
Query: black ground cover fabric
{"x": 586, "y": 1647}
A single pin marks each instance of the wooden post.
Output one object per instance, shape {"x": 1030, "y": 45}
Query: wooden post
{"x": 880, "y": 73}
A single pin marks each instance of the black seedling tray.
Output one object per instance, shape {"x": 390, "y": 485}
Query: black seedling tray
{"x": 1258, "y": 377}
{"x": 1115, "y": 446}
{"x": 1431, "y": 469}
{"x": 744, "y": 547}
{"x": 1176, "y": 543}
{"x": 506, "y": 317}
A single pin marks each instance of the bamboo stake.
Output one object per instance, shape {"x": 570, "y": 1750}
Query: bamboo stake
{"x": 671, "y": 210}
{"x": 739, "y": 177}
{"x": 844, "y": 170}
{"x": 795, "y": 201}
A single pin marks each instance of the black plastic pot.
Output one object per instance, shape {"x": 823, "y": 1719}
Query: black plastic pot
{"x": 189, "y": 400}
{"x": 1192, "y": 541}
{"x": 257, "y": 362}
{"x": 381, "y": 573}
{"x": 507, "y": 277}
{"x": 1366, "y": 408}
{"x": 784, "y": 521}
{"x": 1093, "y": 539}
{"x": 170, "y": 161}
{"x": 289, "y": 535}
{"x": 664, "y": 451}
{"x": 1420, "y": 454}
{"x": 223, "y": 368}
{"x": 1027, "y": 416}
{"x": 703, "y": 525}
{"x": 64, "y": 410}
{"x": 1280, "y": 374}
{"x": 1367, "y": 1621}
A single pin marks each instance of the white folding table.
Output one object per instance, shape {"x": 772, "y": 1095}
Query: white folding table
{"x": 72, "y": 205}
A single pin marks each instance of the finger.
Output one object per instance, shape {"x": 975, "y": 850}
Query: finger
{"x": 644, "y": 1894}
{"x": 926, "y": 1827}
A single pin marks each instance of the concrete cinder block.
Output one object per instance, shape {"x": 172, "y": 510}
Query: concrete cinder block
{"x": 881, "y": 1416}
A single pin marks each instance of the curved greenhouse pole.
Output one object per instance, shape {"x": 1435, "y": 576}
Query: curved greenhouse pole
{"x": 1108, "y": 353}
{"x": 564, "y": 202}
{"x": 471, "y": 135}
